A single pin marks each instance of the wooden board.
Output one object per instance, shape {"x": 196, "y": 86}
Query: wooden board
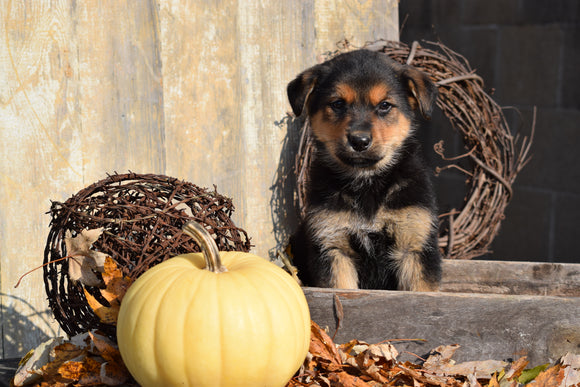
{"x": 191, "y": 89}
{"x": 486, "y": 326}
{"x": 502, "y": 277}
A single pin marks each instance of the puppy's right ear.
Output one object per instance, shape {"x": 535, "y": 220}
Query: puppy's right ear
{"x": 300, "y": 88}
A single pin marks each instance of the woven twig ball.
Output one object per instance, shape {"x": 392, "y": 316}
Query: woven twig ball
{"x": 494, "y": 154}
{"x": 142, "y": 216}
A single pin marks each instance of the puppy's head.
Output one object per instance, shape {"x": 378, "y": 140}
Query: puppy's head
{"x": 362, "y": 106}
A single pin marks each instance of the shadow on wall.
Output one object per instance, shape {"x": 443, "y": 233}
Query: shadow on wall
{"x": 283, "y": 202}
{"x": 19, "y": 334}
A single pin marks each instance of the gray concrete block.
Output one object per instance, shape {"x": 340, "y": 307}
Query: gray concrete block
{"x": 570, "y": 79}
{"x": 556, "y": 160}
{"x": 524, "y": 233}
{"x": 566, "y": 233}
{"x": 528, "y": 65}
{"x": 490, "y": 12}
{"x": 553, "y": 11}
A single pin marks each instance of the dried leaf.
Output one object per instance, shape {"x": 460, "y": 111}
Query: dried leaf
{"x": 105, "y": 348}
{"x": 116, "y": 286}
{"x": 517, "y": 368}
{"x": 571, "y": 359}
{"x": 322, "y": 347}
{"x": 29, "y": 369}
{"x": 114, "y": 374}
{"x": 87, "y": 359}
{"x": 384, "y": 351}
{"x": 440, "y": 362}
{"x": 551, "y": 377}
{"x": 84, "y": 262}
{"x": 343, "y": 379}
{"x": 530, "y": 374}
{"x": 60, "y": 354}
{"x": 571, "y": 377}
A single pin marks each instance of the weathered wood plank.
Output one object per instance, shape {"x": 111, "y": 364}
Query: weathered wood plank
{"x": 38, "y": 157}
{"x": 501, "y": 277}
{"x": 81, "y": 97}
{"x": 121, "y": 88}
{"x": 486, "y": 326}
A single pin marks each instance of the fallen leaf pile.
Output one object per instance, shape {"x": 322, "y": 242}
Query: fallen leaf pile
{"x": 359, "y": 364}
{"x": 88, "y": 359}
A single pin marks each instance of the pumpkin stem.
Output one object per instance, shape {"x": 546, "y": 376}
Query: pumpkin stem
{"x": 208, "y": 246}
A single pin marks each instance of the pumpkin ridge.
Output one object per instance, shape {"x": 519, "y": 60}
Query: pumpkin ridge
{"x": 187, "y": 333}
{"x": 170, "y": 286}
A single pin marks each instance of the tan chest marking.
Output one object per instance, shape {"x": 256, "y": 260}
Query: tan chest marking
{"x": 409, "y": 227}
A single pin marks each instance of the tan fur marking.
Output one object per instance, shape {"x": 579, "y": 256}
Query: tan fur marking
{"x": 331, "y": 229}
{"x": 389, "y": 135}
{"x": 344, "y": 274}
{"x": 378, "y": 93}
{"x": 410, "y": 228}
{"x": 346, "y": 92}
{"x": 326, "y": 131}
{"x": 392, "y": 132}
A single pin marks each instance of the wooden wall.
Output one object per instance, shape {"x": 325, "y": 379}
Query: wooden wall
{"x": 190, "y": 89}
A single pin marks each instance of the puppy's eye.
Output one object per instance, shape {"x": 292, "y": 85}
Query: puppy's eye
{"x": 338, "y": 106}
{"x": 384, "y": 107}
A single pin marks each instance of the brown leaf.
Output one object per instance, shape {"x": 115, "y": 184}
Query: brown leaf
{"x": 106, "y": 348}
{"x": 343, "y": 379}
{"x": 116, "y": 286}
{"x": 114, "y": 374}
{"x": 107, "y": 314}
{"x": 493, "y": 382}
{"x": 516, "y": 368}
{"x": 60, "y": 354}
{"x": 84, "y": 262}
{"x": 322, "y": 346}
{"x": 91, "y": 372}
{"x": 439, "y": 362}
{"x": 551, "y": 377}
{"x": 72, "y": 370}
{"x": 420, "y": 376}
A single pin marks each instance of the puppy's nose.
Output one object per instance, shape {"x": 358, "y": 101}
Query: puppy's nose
{"x": 360, "y": 141}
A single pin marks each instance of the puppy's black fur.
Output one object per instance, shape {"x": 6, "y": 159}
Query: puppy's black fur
{"x": 371, "y": 213}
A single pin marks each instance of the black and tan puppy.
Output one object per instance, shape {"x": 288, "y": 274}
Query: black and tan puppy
{"x": 371, "y": 216}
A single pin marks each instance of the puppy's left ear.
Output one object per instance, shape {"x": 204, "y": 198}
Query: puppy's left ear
{"x": 422, "y": 92}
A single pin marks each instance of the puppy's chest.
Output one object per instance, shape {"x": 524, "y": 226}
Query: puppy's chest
{"x": 405, "y": 228}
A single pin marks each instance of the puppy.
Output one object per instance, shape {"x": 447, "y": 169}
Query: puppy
{"x": 370, "y": 210}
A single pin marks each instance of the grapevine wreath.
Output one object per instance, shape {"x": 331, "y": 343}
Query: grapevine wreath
{"x": 141, "y": 216}
{"x": 495, "y": 156}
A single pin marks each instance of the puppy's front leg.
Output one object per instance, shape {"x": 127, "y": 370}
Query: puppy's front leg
{"x": 343, "y": 274}
{"x": 335, "y": 266}
{"x": 414, "y": 256}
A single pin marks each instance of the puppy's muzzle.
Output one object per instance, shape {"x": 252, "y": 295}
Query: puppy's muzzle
{"x": 360, "y": 141}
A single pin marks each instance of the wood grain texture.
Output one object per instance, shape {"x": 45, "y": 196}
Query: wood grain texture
{"x": 191, "y": 89}
{"x": 486, "y": 326}
{"x": 497, "y": 277}
{"x": 80, "y": 97}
